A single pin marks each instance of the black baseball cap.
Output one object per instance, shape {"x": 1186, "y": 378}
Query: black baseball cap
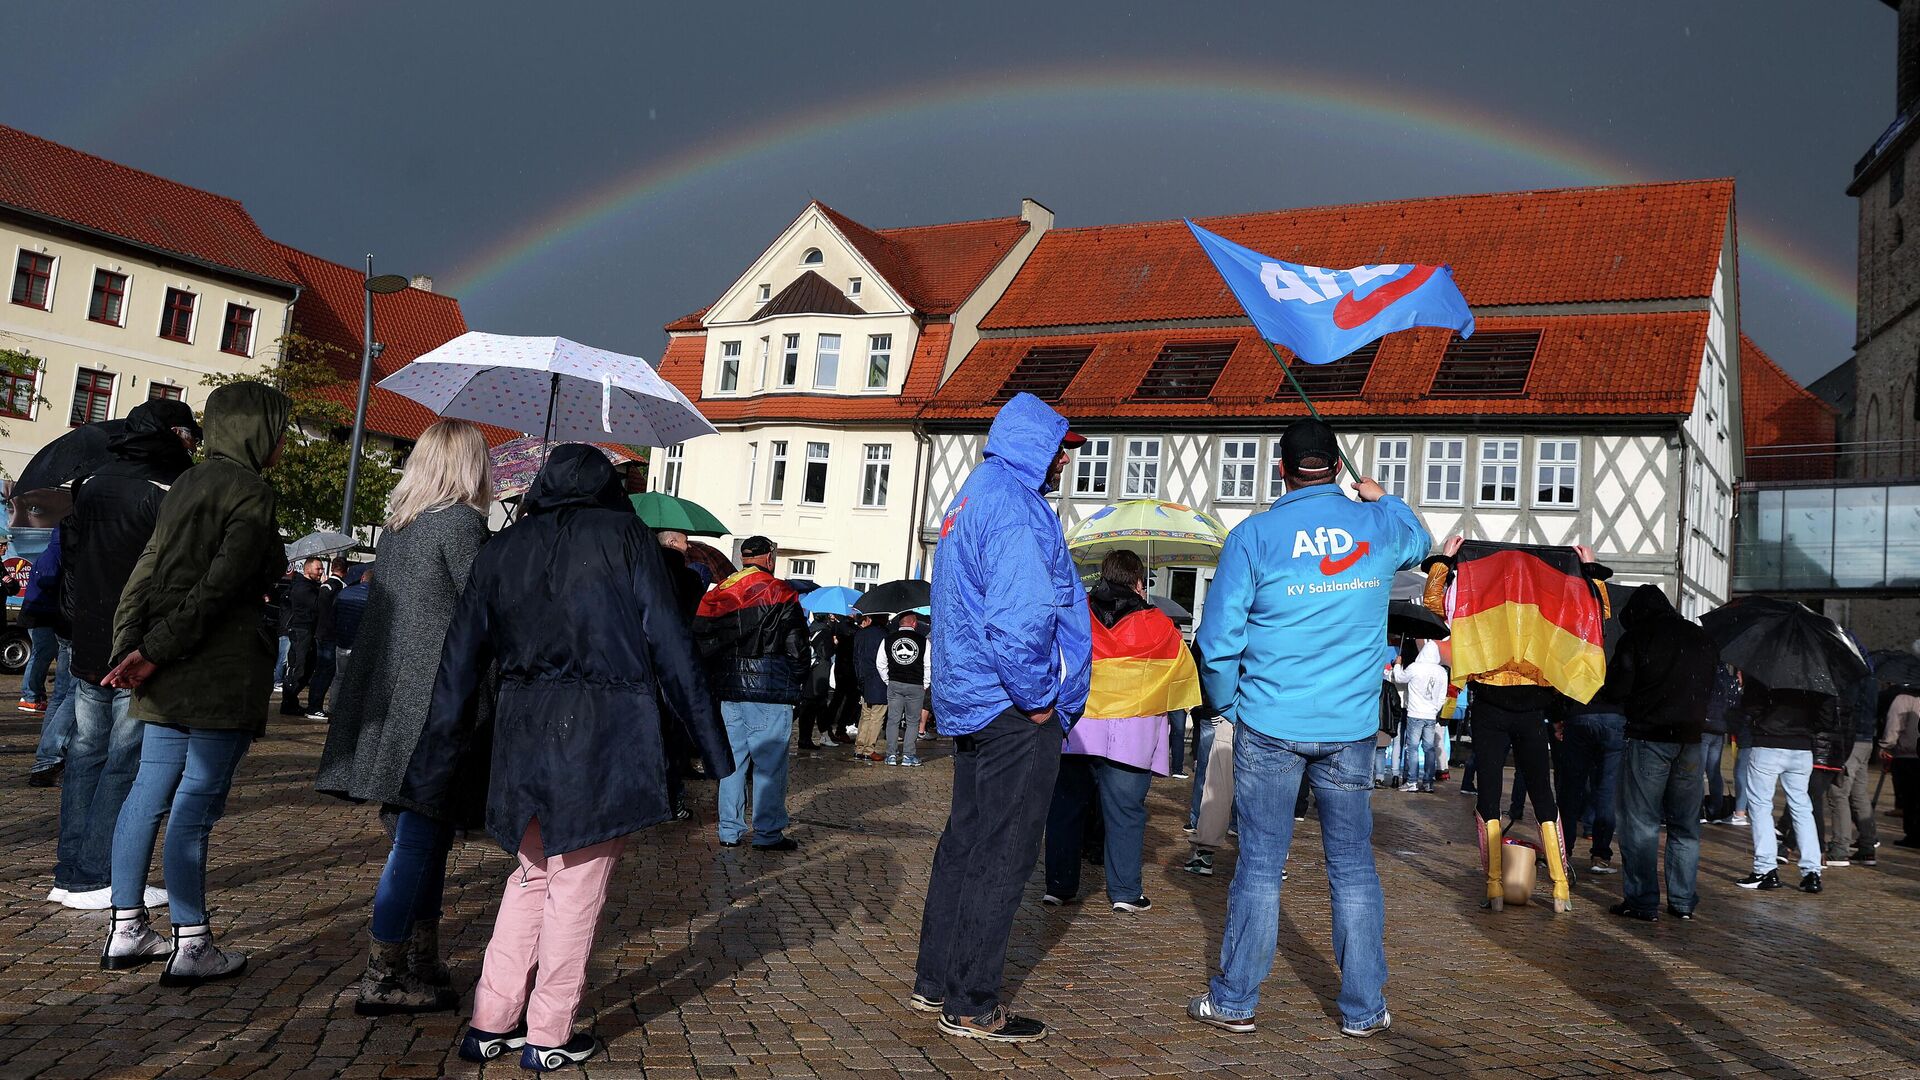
{"x": 1309, "y": 441}
{"x": 755, "y": 546}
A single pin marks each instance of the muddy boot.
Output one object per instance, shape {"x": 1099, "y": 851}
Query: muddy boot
{"x": 1490, "y": 843}
{"x": 423, "y": 955}
{"x": 388, "y": 987}
{"x": 131, "y": 942}
{"x": 196, "y": 959}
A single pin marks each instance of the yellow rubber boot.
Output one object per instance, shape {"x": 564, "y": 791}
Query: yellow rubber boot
{"x": 1550, "y": 839}
{"x": 1490, "y": 845}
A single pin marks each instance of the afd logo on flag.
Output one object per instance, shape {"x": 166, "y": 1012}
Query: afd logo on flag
{"x": 1324, "y": 314}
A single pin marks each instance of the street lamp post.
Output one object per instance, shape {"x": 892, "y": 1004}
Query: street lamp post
{"x": 385, "y": 283}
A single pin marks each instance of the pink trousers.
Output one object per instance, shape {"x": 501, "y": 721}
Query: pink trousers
{"x": 537, "y": 960}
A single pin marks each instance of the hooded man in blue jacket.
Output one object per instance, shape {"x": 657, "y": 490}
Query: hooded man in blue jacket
{"x": 1293, "y": 644}
{"x": 1012, "y": 656}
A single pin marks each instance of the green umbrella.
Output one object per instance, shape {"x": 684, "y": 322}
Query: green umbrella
{"x": 663, "y": 511}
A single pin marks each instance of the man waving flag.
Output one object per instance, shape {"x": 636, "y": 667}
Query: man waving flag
{"x": 1321, "y": 314}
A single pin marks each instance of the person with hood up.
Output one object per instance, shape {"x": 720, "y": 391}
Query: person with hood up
{"x": 1014, "y": 650}
{"x": 1141, "y": 672}
{"x": 1662, "y": 675}
{"x": 114, "y": 512}
{"x": 188, "y": 642}
{"x": 573, "y": 603}
{"x": 1426, "y": 683}
{"x": 436, "y": 524}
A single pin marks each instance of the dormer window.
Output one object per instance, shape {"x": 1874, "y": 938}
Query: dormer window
{"x": 812, "y": 257}
{"x": 766, "y": 293}
{"x": 853, "y": 286}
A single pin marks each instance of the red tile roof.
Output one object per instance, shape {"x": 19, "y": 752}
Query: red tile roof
{"x": 1776, "y": 411}
{"x": 934, "y": 267}
{"x": 688, "y": 322}
{"x": 1603, "y": 365}
{"x": 54, "y": 181}
{"x": 1572, "y": 245}
{"x": 408, "y": 323}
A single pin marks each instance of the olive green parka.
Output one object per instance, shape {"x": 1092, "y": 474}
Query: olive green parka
{"x": 194, "y": 603}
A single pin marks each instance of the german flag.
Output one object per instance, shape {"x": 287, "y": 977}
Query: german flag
{"x": 1527, "y": 615}
{"x": 1141, "y": 667}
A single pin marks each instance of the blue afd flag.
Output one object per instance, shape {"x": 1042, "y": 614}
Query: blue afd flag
{"x": 1321, "y": 314}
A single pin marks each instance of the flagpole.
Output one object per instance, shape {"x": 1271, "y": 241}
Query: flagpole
{"x": 1302, "y": 391}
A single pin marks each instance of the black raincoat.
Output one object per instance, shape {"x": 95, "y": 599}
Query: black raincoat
{"x": 574, "y": 604}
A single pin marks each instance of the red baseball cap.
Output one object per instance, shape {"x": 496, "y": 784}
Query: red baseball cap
{"x": 1072, "y": 439}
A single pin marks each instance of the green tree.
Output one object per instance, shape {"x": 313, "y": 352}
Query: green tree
{"x": 311, "y": 476}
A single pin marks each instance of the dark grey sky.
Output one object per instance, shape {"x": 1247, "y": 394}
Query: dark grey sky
{"x": 442, "y": 136}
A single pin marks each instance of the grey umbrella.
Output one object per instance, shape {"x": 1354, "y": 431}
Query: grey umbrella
{"x": 324, "y": 542}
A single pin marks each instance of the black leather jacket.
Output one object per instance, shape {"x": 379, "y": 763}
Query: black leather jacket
{"x": 753, "y": 638}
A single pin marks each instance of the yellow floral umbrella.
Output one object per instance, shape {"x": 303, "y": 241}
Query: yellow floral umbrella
{"x": 1161, "y": 533}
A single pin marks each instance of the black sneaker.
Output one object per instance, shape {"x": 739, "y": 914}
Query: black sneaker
{"x": 1134, "y": 906}
{"x": 1810, "y": 883}
{"x": 925, "y": 1003}
{"x": 1052, "y": 900}
{"x": 1201, "y": 863}
{"x": 998, "y": 1025}
{"x": 484, "y": 1046}
{"x": 547, "y": 1058}
{"x": 785, "y": 843}
{"x": 1865, "y": 857}
{"x": 1768, "y": 880}
{"x": 1201, "y": 1009}
{"x": 1678, "y": 914}
{"x": 1621, "y": 909}
{"x": 46, "y": 777}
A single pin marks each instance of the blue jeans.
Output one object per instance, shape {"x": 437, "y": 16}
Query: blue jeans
{"x": 1589, "y": 762}
{"x": 184, "y": 774}
{"x": 102, "y": 757}
{"x": 1177, "y": 741}
{"x": 1122, "y": 791}
{"x": 1659, "y": 784}
{"x": 1712, "y": 750}
{"x": 1386, "y": 759}
{"x": 56, "y": 728}
{"x": 280, "y": 664}
{"x": 1792, "y": 770}
{"x": 414, "y": 882}
{"x": 758, "y": 733}
{"x": 1267, "y": 776}
{"x": 1420, "y": 750}
{"x": 33, "y": 680}
{"x": 1203, "y": 738}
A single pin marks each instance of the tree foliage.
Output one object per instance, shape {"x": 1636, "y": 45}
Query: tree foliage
{"x": 311, "y": 476}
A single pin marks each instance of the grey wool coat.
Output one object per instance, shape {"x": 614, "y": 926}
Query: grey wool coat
{"x": 419, "y": 573}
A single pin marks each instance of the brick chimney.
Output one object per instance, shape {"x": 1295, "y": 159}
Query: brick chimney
{"x": 422, "y": 282}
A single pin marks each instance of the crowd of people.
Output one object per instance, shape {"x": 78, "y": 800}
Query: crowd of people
{"x": 556, "y": 685}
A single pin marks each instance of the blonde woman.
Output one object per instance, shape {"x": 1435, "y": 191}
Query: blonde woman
{"x": 436, "y": 523}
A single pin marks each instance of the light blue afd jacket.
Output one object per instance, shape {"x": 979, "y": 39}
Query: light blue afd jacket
{"x": 1293, "y": 639}
{"x": 1009, "y": 617}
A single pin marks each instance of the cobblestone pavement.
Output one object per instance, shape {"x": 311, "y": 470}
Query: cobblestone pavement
{"x": 734, "y": 963}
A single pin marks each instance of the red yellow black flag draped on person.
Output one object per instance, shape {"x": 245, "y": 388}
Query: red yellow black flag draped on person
{"x": 1527, "y": 615}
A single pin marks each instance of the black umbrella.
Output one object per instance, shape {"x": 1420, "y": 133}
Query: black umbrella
{"x": 1783, "y": 644}
{"x": 1895, "y": 667}
{"x": 902, "y": 595}
{"x": 1410, "y": 619}
{"x": 1173, "y": 608}
{"x": 79, "y": 453}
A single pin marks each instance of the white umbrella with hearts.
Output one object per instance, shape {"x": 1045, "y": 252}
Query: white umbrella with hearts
{"x": 559, "y": 389}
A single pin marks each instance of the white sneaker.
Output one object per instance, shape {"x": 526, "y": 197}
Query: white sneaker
{"x": 57, "y": 895}
{"x": 155, "y": 897}
{"x": 94, "y": 900}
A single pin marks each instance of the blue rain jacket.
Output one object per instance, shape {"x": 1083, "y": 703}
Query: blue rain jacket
{"x": 1009, "y": 616}
{"x": 1293, "y": 640}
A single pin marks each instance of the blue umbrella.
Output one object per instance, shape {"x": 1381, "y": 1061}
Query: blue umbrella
{"x": 830, "y": 600}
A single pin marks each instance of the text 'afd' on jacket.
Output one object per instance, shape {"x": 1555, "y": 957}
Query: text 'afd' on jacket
{"x": 573, "y": 603}
{"x": 1009, "y": 616}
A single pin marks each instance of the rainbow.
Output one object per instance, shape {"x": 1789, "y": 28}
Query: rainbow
{"x": 1322, "y": 99}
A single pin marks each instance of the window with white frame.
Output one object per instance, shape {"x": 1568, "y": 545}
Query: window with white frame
{"x": 879, "y": 360}
{"x": 1239, "y": 469}
{"x": 1393, "y": 465}
{"x": 766, "y": 350}
{"x": 670, "y": 473}
{"x": 753, "y": 471}
{"x": 865, "y": 576}
{"x": 813, "y": 485}
{"x": 766, "y": 293}
{"x": 826, "y": 362}
{"x": 1142, "y": 469}
{"x": 33, "y": 280}
{"x": 1090, "y": 467}
{"x": 789, "y": 359}
{"x": 853, "y": 286}
{"x": 1276, "y": 471}
{"x": 1500, "y": 472}
{"x": 777, "y": 471}
{"x": 1556, "y": 473}
{"x": 729, "y": 366}
{"x": 800, "y": 568}
{"x": 875, "y": 468}
{"x": 1446, "y": 472}
{"x": 812, "y": 257}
